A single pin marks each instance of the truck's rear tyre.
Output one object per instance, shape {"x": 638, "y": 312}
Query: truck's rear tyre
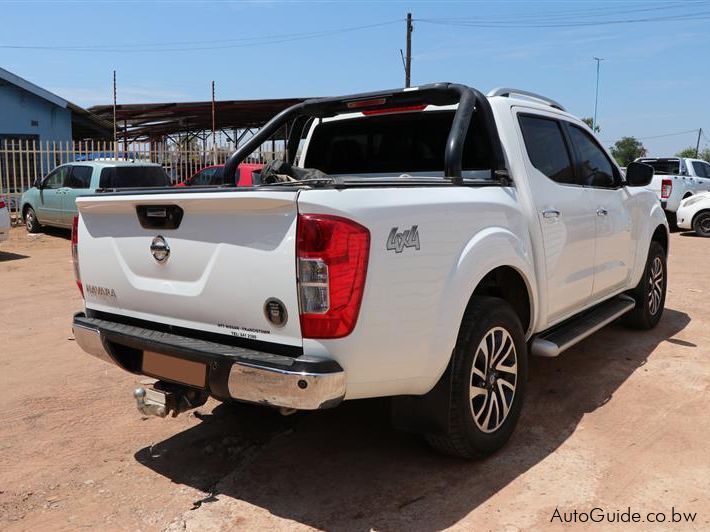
{"x": 672, "y": 219}
{"x": 701, "y": 224}
{"x": 650, "y": 293}
{"x": 488, "y": 380}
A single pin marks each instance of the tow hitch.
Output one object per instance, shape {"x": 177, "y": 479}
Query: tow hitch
{"x": 163, "y": 398}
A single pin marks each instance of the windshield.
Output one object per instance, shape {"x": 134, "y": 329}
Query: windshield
{"x": 133, "y": 177}
{"x": 394, "y": 144}
{"x": 663, "y": 166}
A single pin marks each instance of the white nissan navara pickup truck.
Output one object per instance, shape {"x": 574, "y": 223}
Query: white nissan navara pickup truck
{"x": 421, "y": 245}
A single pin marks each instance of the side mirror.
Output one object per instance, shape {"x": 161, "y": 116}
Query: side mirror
{"x": 638, "y": 174}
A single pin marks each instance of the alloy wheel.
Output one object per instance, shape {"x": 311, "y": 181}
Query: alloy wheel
{"x": 655, "y": 291}
{"x": 494, "y": 375}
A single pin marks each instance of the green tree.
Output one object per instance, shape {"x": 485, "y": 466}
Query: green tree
{"x": 590, "y": 121}
{"x": 626, "y": 149}
{"x": 689, "y": 152}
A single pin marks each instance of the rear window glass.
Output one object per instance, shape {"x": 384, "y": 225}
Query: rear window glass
{"x": 406, "y": 143}
{"x": 663, "y": 166}
{"x": 133, "y": 177}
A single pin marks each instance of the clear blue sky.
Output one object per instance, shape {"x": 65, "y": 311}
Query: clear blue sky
{"x": 655, "y": 78}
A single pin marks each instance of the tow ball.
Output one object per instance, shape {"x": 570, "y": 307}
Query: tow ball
{"x": 163, "y": 398}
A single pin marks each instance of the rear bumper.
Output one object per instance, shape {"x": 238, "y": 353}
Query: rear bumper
{"x": 302, "y": 383}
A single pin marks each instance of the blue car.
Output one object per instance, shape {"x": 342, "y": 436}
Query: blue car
{"x": 52, "y": 199}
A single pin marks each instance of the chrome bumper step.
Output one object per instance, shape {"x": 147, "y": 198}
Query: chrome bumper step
{"x": 301, "y": 382}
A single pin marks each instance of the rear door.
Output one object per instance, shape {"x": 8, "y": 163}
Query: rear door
{"x": 610, "y": 201}
{"x": 215, "y": 262}
{"x": 77, "y": 182}
{"x": 702, "y": 170}
{"x": 564, "y": 211}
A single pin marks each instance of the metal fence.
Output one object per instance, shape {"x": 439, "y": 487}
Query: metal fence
{"x": 23, "y": 161}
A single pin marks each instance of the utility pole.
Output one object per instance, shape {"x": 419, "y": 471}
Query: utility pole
{"x": 214, "y": 134}
{"x": 596, "y": 94}
{"x": 408, "y": 60}
{"x": 697, "y": 144}
{"x": 115, "y": 135}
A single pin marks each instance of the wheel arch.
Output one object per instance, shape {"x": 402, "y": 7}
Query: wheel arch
{"x": 496, "y": 262}
{"x": 509, "y": 284}
{"x": 660, "y": 235}
{"x": 429, "y": 413}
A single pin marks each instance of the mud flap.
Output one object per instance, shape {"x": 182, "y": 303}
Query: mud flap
{"x": 428, "y": 413}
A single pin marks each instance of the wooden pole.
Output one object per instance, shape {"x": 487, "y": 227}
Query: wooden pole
{"x": 408, "y": 59}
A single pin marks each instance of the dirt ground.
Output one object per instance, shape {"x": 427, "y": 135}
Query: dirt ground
{"x": 622, "y": 420}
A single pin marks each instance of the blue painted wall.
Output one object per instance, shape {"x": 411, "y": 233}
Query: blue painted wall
{"x": 18, "y": 108}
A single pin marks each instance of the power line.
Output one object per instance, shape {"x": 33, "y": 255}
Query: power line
{"x": 700, "y": 15}
{"x": 196, "y": 45}
{"x": 575, "y": 13}
{"x": 659, "y": 136}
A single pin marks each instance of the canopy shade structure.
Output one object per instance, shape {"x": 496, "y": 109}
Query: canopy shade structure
{"x": 153, "y": 120}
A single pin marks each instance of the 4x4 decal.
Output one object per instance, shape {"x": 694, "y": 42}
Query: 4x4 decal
{"x": 408, "y": 238}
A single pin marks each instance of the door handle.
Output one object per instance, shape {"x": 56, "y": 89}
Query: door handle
{"x": 550, "y": 213}
{"x": 601, "y": 211}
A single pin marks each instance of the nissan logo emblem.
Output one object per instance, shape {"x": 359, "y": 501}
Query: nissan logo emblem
{"x": 160, "y": 249}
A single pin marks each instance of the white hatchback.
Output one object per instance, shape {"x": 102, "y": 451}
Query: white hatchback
{"x": 4, "y": 220}
{"x": 694, "y": 213}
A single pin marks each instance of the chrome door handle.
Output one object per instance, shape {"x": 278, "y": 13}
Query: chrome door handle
{"x": 550, "y": 213}
{"x": 601, "y": 211}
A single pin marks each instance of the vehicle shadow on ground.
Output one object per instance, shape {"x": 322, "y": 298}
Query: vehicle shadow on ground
{"x": 56, "y": 232}
{"x": 7, "y": 256}
{"x": 347, "y": 469}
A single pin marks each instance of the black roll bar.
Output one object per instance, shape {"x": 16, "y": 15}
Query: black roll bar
{"x": 467, "y": 98}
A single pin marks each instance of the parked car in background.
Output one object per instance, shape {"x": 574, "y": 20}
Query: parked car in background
{"x": 214, "y": 176}
{"x": 675, "y": 179}
{"x": 4, "y": 220}
{"x": 694, "y": 213}
{"x": 52, "y": 199}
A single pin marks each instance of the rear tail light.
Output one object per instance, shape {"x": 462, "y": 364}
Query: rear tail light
{"x": 332, "y": 265}
{"x": 75, "y": 253}
{"x": 666, "y": 188}
{"x": 2, "y": 203}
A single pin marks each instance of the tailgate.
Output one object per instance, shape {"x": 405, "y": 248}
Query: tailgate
{"x": 228, "y": 266}
{"x": 655, "y": 184}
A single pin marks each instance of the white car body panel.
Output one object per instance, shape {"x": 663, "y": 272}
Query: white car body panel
{"x": 690, "y": 207}
{"x": 212, "y": 283}
{"x": 4, "y": 223}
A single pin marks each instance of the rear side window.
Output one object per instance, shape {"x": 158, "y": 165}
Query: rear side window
{"x": 595, "y": 168}
{"x": 547, "y": 148}
{"x": 80, "y": 177}
{"x": 701, "y": 169}
{"x": 133, "y": 177}
{"x": 394, "y": 143}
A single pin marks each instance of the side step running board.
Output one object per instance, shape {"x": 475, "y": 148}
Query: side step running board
{"x": 562, "y": 337}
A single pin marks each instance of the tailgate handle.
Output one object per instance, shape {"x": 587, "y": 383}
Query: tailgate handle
{"x": 159, "y": 216}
